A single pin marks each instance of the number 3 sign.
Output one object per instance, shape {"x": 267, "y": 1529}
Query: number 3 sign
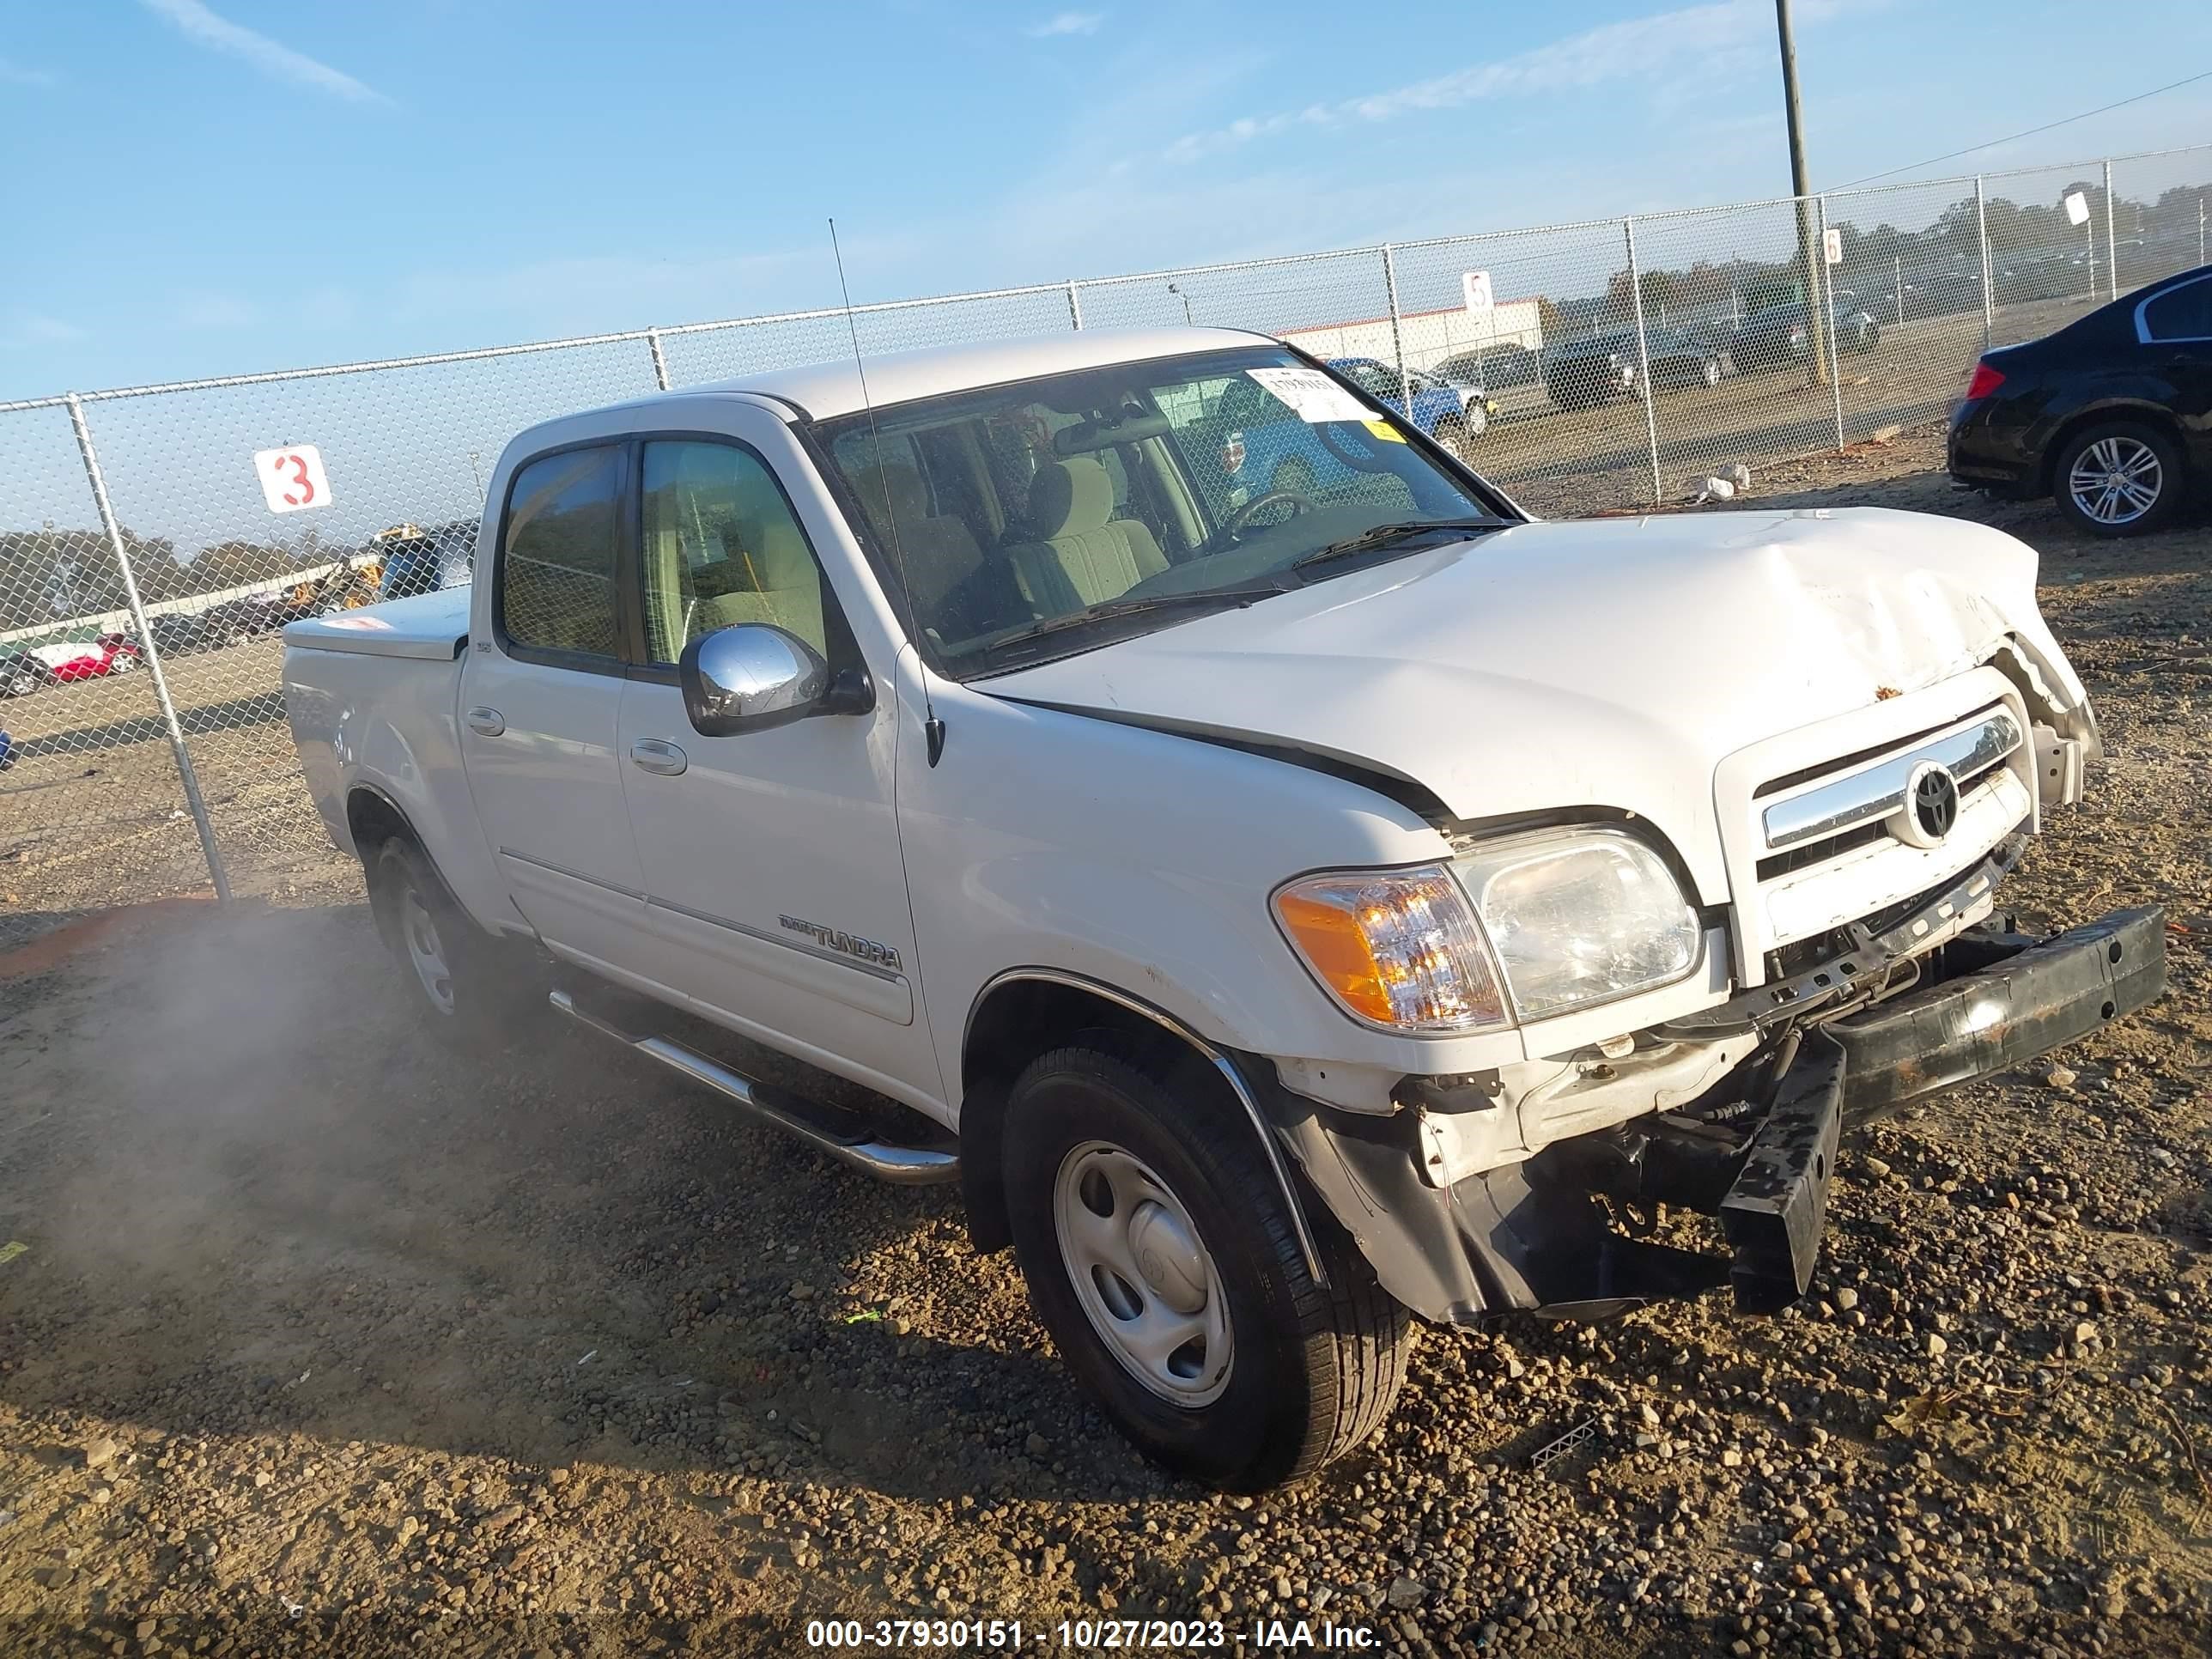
{"x": 292, "y": 478}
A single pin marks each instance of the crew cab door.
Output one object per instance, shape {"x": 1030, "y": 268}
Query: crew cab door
{"x": 541, "y": 692}
{"x": 775, "y": 889}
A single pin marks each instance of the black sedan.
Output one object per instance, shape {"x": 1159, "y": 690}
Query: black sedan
{"x": 2111, "y": 415}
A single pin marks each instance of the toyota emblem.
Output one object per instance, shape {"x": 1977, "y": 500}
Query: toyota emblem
{"x": 1931, "y": 805}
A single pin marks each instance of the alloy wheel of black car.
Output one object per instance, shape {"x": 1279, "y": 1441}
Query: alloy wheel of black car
{"x": 2118, "y": 478}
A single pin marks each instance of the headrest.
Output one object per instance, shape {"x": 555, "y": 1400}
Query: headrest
{"x": 1070, "y": 497}
{"x": 900, "y": 486}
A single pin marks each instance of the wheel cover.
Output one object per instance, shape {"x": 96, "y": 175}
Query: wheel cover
{"x": 2116, "y": 480}
{"x": 426, "y": 953}
{"x": 1144, "y": 1277}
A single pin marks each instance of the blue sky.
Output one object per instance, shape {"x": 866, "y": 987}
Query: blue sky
{"x": 203, "y": 188}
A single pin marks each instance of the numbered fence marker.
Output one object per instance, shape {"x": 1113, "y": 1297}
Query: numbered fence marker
{"x": 292, "y": 479}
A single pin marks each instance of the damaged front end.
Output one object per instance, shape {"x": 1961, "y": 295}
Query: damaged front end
{"x": 1885, "y": 1013}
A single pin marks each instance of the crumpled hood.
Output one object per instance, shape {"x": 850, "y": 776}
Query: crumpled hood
{"x": 1609, "y": 663}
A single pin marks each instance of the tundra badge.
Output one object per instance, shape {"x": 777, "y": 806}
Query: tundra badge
{"x": 851, "y": 944}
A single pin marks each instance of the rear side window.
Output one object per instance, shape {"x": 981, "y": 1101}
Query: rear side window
{"x": 2180, "y": 313}
{"x": 557, "y": 586}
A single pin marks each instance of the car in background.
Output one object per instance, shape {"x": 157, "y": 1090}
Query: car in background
{"x": 1781, "y": 337}
{"x": 181, "y": 633}
{"x": 1682, "y": 358}
{"x": 39, "y": 666}
{"x": 2111, "y": 415}
{"x": 418, "y": 561}
{"x": 1941, "y": 292}
{"x": 1585, "y": 373}
{"x": 1492, "y": 367}
{"x": 1439, "y": 409}
{"x": 1477, "y": 408}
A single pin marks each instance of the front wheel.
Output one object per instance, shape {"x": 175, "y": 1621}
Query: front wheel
{"x": 1159, "y": 1254}
{"x": 2118, "y": 478}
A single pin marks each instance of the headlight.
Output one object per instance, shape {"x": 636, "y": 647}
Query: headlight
{"x": 1578, "y": 917}
{"x": 1398, "y": 949}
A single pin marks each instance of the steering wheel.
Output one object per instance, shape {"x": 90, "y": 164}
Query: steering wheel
{"x": 1298, "y": 505}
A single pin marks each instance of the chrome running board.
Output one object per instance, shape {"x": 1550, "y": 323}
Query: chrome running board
{"x": 903, "y": 1166}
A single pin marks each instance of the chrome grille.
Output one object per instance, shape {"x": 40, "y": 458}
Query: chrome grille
{"x": 1877, "y": 791}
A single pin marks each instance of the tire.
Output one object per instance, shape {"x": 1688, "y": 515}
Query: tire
{"x": 2147, "y": 458}
{"x": 126, "y": 662}
{"x": 21, "y": 680}
{"x": 1295, "y": 1374}
{"x": 1710, "y": 374}
{"x": 471, "y": 991}
{"x": 1473, "y": 423}
{"x": 1451, "y": 433}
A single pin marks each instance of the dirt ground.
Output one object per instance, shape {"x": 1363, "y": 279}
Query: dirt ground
{"x": 325, "y": 1341}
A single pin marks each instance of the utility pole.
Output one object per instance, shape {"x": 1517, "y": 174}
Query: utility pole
{"x": 1809, "y": 252}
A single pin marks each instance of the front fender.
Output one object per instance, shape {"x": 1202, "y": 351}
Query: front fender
{"x": 1133, "y": 858}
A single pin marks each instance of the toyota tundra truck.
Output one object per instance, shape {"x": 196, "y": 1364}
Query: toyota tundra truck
{"x": 1288, "y": 913}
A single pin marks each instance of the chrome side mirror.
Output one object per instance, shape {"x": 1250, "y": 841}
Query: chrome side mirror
{"x": 749, "y": 676}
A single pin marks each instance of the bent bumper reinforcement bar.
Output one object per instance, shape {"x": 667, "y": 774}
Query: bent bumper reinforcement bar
{"x": 1534, "y": 1236}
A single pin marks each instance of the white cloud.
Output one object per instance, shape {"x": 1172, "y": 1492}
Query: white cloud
{"x": 1718, "y": 38}
{"x": 1066, "y": 22}
{"x": 279, "y": 61}
{"x": 22, "y": 329}
{"x": 19, "y": 74}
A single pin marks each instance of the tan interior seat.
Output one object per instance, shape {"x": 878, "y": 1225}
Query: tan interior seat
{"x": 769, "y": 576}
{"x": 938, "y": 552}
{"x": 1083, "y": 554}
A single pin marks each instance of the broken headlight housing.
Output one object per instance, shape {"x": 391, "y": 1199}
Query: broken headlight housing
{"x": 1511, "y": 930}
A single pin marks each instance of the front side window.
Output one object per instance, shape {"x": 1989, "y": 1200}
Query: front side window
{"x": 2180, "y": 313}
{"x": 556, "y": 590}
{"x": 1018, "y": 516}
{"x": 719, "y": 545}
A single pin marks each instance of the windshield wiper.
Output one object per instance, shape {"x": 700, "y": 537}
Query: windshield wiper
{"x": 1217, "y": 598}
{"x": 1390, "y": 535}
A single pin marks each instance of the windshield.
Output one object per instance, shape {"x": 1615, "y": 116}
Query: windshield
{"x": 1054, "y": 516}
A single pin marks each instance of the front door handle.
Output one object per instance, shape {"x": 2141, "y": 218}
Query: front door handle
{"x": 489, "y": 721}
{"x": 658, "y": 755}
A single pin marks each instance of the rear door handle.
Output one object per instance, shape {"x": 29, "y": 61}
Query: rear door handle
{"x": 659, "y": 755}
{"x": 490, "y": 721}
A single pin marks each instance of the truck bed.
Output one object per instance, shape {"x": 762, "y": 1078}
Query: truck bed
{"x": 429, "y": 627}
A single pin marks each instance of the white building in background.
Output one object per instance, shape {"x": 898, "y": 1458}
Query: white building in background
{"x": 1430, "y": 337}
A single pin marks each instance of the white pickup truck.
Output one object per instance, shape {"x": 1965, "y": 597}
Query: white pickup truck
{"x": 1289, "y": 889}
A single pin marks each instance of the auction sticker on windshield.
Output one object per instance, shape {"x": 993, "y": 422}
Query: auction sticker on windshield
{"x": 1312, "y": 396}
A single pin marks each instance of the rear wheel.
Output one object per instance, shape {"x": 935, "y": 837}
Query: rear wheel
{"x": 21, "y": 680}
{"x": 1451, "y": 433}
{"x": 2119, "y": 478}
{"x": 471, "y": 990}
{"x": 1159, "y": 1254}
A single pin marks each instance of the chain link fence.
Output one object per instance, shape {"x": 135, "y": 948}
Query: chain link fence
{"x": 1586, "y": 367}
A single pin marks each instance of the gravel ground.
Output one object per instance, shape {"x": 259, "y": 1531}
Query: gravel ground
{"x": 324, "y": 1342}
